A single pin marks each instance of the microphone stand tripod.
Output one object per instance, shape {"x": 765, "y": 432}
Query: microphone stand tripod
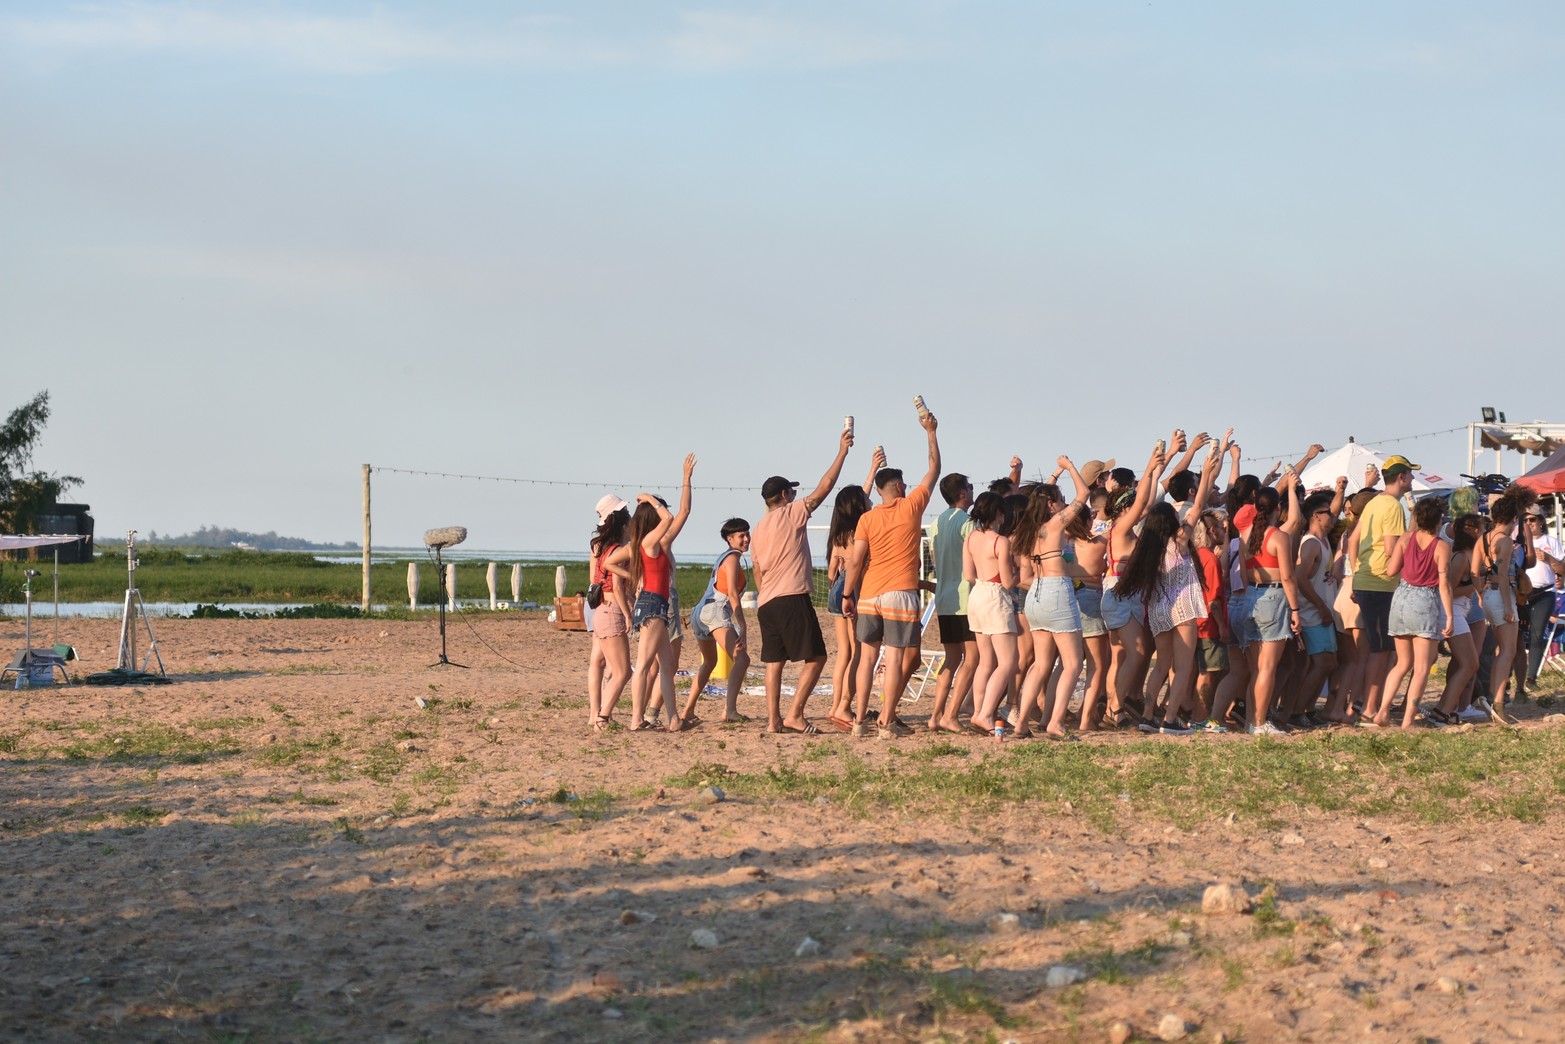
{"x": 440, "y": 572}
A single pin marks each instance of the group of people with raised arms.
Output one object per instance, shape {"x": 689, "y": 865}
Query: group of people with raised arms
{"x": 1188, "y": 606}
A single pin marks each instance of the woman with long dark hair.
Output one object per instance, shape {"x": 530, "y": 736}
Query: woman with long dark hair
{"x": 610, "y": 620}
{"x": 1125, "y": 617}
{"x": 986, "y": 566}
{"x": 1422, "y": 610}
{"x": 1052, "y": 612}
{"x": 1274, "y": 609}
{"x": 644, "y": 562}
{"x": 851, "y": 504}
{"x": 1091, "y": 562}
{"x": 1465, "y": 633}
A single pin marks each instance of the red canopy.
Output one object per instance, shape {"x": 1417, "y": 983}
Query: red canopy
{"x": 1548, "y": 476}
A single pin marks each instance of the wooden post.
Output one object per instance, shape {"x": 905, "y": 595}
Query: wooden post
{"x": 492, "y": 576}
{"x": 412, "y": 585}
{"x": 451, "y": 587}
{"x": 364, "y": 600}
{"x": 516, "y": 583}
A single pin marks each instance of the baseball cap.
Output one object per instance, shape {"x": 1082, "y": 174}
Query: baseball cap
{"x": 1244, "y": 518}
{"x": 1094, "y": 469}
{"x": 1535, "y": 510}
{"x": 607, "y": 505}
{"x": 776, "y": 486}
{"x": 1396, "y": 464}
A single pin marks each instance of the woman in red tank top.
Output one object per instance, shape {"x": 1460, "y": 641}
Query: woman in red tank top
{"x": 610, "y": 621}
{"x": 646, "y": 565}
{"x": 1421, "y": 607}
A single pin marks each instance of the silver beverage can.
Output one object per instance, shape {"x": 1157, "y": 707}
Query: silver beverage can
{"x": 847, "y": 424}
{"x": 918, "y": 404}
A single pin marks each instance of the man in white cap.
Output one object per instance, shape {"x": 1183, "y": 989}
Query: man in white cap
{"x": 784, "y": 578}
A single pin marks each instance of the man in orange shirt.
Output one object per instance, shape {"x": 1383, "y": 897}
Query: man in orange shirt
{"x": 883, "y": 570}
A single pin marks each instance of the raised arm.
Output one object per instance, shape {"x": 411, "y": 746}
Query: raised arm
{"x": 1188, "y": 457}
{"x": 1138, "y": 508}
{"x": 652, "y": 544}
{"x": 1341, "y": 497}
{"x": 1315, "y": 450}
{"x": 684, "y": 504}
{"x": 929, "y": 424}
{"x": 1016, "y": 472}
{"x": 1295, "y": 524}
{"x": 877, "y": 461}
{"x": 1233, "y": 467}
{"x": 828, "y": 481}
{"x": 1203, "y": 490}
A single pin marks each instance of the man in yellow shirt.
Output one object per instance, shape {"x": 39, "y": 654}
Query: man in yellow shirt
{"x": 1379, "y": 527}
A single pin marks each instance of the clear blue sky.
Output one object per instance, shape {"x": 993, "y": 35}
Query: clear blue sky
{"x": 250, "y": 246}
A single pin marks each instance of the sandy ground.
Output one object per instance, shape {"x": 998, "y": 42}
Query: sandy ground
{"x": 285, "y": 846}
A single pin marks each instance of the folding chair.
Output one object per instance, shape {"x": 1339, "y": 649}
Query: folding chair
{"x": 1554, "y": 644}
{"x": 930, "y": 660}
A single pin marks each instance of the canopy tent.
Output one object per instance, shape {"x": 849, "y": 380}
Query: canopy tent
{"x": 1515, "y": 437}
{"x": 1351, "y": 459}
{"x": 21, "y": 543}
{"x": 1548, "y": 476}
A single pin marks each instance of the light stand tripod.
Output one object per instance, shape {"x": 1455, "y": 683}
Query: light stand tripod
{"x": 134, "y": 607}
{"x": 444, "y": 661}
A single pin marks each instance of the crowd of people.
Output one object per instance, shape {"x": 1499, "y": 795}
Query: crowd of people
{"x": 1190, "y": 606}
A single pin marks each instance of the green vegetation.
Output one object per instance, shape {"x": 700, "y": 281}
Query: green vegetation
{"x": 1427, "y": 776}
{"x": 173, "y": 575}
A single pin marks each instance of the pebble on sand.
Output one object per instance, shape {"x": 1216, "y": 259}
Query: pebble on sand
{"x": 710, "y": 795}
{"x": 703, "y": 939}
{"x": 1226, "y": 899}
{"x": 1060, "y": 975}
{"x": 1172, "y": 1027}
{"x": 808, "y": 948}
{"x": 1120, "y": 1032}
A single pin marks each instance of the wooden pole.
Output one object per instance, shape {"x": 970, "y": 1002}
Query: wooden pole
{"x": 516, "y": 583}
{"x": 412, "y": 585}
{"x": 364, "y": 601}
{"x": 492, "y": 577}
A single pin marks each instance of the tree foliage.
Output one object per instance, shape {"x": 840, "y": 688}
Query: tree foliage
{"x": 25, "y": 494}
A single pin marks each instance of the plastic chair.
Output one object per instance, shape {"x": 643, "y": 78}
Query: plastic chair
{"x": 1554, "y": 644}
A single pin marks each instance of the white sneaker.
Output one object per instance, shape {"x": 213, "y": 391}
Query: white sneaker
{"x": 1472, "y": 714}
{"x": 1266, "y": 728}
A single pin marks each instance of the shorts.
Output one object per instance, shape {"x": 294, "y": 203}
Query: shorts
{"x": 1475, "y": 610}
{"x": 1051, "y": 606}
{"x": 1117, "y": 611}
{"x": 1416, "y": 612}
{"x": 1271, "y": 615}
{"x": 1089, "y": 600}
{"x": 711, "y": 617}
{"x": 1494, "y": 607}
{"x": 1374, "y": 616}
{"x": 834, "y": 596}
{"x": 1321, "y": 638}
{"x": 608, "y": 621}
{"x": 649, "y": 606}
{"x": 675, "y": 631}
{"x": 790, "y": 631}
{"x": 1212, "y": 656}
{"x": 1461, "y": 612}
{"x": 1241, "y": 624}
{"x": 954, "y": 629}
{"x": 1344, "y": 610}
{"x": 892, "y": 618}
{"x": 989, "y": 609}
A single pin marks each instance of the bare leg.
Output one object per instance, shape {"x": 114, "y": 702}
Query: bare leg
{"x": 1097, "y": 681}
{"x": 708, "y": 648}
{"x": 595, "y": 667}
{"x": 1267, "y": 661}
{"x": 1459, "y": 675}
{"x": 616, "y": 660}
{"x": 1403, "y": 666}
{"x": 652, "y": 640}
{"x": 1424, "y": 652}
{"x": 1182, "y": 687}
{"x": 1032, "y": 685}
{"x": 809, "y": 674}
{"x": 844, "y": 669}
{"x": 1070, "y": 652}
{"x": 869, "y": 652}
{"x": 1132, "y": 641}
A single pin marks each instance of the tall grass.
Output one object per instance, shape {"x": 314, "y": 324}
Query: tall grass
{"x": 167, "y": 575}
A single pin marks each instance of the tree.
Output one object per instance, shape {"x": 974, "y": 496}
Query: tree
{"x": 24, "y": 494}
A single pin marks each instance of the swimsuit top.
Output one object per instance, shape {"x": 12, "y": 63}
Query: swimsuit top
{"x": 1264, "y": 558}
{"x": 656, "y": 573}
{"x": 718, "y": 583}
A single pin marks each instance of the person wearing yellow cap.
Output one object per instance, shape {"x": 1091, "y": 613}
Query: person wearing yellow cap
{"x": 1380, "y": 527}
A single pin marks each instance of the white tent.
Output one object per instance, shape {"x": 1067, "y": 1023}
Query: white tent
{"x": 1351, "y": 459}
{"x": 18, "y": 543}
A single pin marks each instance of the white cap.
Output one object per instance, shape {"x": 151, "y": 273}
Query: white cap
{"x": 607, "y": 505}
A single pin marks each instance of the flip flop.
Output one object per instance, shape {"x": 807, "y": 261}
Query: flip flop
{"x": 978, "y": 730}
{"x": 645, "y": 726}
{"x": 841, "y": 723}
{"x": 1067, "y": 738}
{"x": 742, "y": 719}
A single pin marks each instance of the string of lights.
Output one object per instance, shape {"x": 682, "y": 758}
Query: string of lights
{"x": 1290, "y": 456}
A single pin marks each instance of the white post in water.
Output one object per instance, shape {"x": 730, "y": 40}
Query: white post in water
{"x": 492, "y": 575}
{"x": 412, "y": 585}
{"x": 451, "y": 587}
{"x": 516, "y": 583}
{"x": 364, "y": 601}
{"x": 559, "y": 582}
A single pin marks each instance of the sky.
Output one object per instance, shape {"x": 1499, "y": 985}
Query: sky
{"x": 249, "y": 247}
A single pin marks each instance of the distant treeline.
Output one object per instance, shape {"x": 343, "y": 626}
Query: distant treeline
{"x": 219, "y": 536}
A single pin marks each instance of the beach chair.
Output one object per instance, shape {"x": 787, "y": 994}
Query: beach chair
{"x": 930, "y": 660}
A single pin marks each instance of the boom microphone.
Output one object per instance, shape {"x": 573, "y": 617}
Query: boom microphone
{"x": 438, "y": 538}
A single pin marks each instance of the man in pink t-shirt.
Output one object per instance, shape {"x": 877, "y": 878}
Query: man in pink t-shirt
{"x": 784, "y": 578}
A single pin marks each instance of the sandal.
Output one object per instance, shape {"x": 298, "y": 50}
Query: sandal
{"x": 645, "y": 726}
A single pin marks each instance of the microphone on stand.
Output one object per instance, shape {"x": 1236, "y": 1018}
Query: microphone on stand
{"x": 437, "y": 539}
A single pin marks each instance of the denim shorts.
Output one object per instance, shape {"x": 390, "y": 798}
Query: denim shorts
{"x": 649, "y": 606}
{"x": 1117, "y": 611}
{"x": 1090, "y": 601}
{"x": 1416, "y": 612}
{"x": 1240, "y": 623}
{"x": 1462, "y": 615}
{"x": 1494, "y": 607}
{"x": 834, "y": 596}
{"x": 1321, "y": 638}
{"x": 1271, "y": 616}
{"x": 710, "y": 617}
{"x": 1051, "y": 605}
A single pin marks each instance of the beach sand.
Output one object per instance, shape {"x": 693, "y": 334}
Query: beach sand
{"x": 284, "y": 845}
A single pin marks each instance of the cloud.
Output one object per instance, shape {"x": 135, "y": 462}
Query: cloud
{"x": 381, "y": 41}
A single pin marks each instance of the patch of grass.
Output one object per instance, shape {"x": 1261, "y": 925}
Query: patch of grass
{"x": 223, "y": 724}
{"x": 1267, "y": 919}
{"x": 1107, "y": 965}
{"x": 10, "y": 742}
{"x": 289, "y": 752}
{"x": 350, "y": 832}
{"x": 135, "y": 741}
{"x": 968, "y": 997}
{"x": 382, "y": 762}
{"x": 1233, "y": 973}
{"x": 143, "y": 815}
